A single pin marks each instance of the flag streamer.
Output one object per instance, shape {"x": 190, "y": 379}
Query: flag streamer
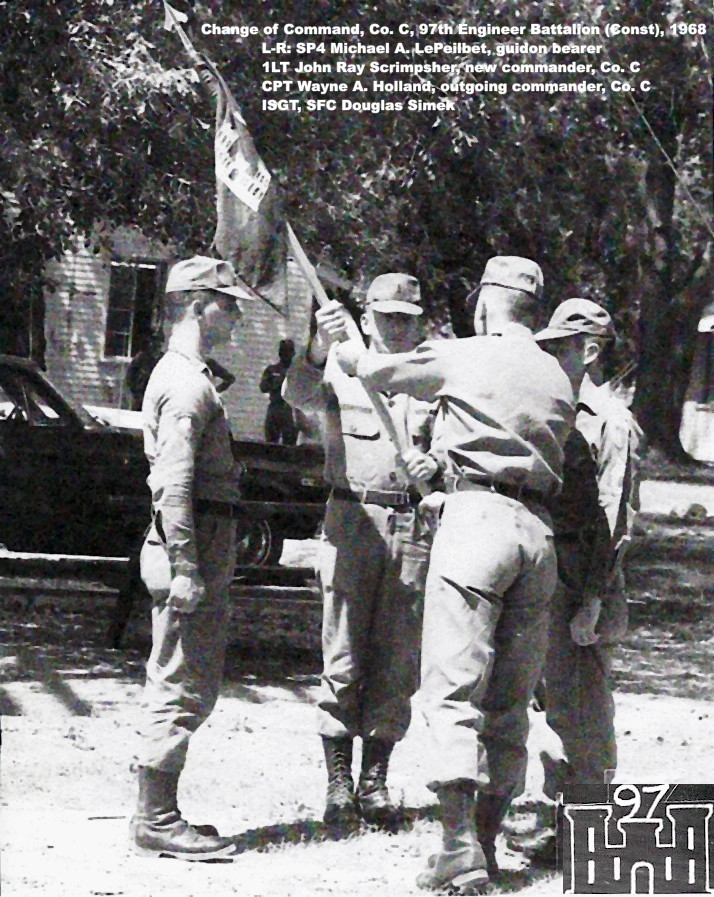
{"x": 250, "y": 226}
{"x": 249, "y": 185}
{"x": 251, "y": 230}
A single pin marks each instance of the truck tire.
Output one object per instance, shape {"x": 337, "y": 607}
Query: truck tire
{"x": 261, "y": 544}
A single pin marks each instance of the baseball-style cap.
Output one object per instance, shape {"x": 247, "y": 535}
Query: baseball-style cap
{"x": 513, "y": 272}
{"x": 578, "y": 316}
{"x": 204, "y": 273}
{"x": 394, "y": 293}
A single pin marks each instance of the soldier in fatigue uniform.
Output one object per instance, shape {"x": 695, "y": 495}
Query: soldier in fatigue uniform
{"x": 593, "y": 521}
{"x": 188, "y": 556}
{"x": 373, "y": 555}
{"x": 505, "y": 411}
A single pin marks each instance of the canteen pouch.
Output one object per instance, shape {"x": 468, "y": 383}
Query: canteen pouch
{"x": 155, "y": 566}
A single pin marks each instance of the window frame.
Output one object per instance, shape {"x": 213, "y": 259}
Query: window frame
{"x": 157, "y": 305}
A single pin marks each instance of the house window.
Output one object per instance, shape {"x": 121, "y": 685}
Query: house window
{"x": 135, "y": 288}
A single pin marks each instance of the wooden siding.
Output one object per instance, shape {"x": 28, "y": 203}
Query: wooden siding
{"x": 75, "y": 323}
{"x": 255, "y": 346}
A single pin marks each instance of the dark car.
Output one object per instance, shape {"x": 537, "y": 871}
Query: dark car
{"x": 70, "y": 484}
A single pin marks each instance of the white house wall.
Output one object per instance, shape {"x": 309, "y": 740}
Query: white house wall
{"x": 75, "y": 325}
{"x": 256, "y": 345}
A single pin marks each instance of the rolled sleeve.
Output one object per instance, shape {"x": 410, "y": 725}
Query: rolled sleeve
{"x": 303, "y": 387}
{"x": 612, "y": 465}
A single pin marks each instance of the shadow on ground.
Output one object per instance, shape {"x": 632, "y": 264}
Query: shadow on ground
{"x": 55, "y": 640}
{"x": 523, "y": 821}
{"x": 670, "y": 579}
{"x": 54, "y": 647}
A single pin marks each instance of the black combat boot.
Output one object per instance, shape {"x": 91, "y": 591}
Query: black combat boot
{"x": 157, "y": 829}
{"x": 490, "y": 810}
{"x": 375, "y": 805}
{"x": 461, "y": 865}
{"x": 340, "y": 810}
{"x": 140, "y": 813}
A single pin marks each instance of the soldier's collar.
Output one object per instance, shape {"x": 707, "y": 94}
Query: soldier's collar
{"x": 591, "y": 397}
{"x": 195, "y": 360}
{"x": 514, "y": 330}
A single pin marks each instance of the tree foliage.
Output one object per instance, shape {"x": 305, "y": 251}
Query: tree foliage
{"x": 103, "y": 122}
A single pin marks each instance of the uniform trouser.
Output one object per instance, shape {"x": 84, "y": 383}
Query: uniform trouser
{"x": 372, "y": 568}
{"x": 491, "y": 575}
{"x": 280, "y": 424}
{"x": 579, "y": 702}
{"x": 185, "y": 668}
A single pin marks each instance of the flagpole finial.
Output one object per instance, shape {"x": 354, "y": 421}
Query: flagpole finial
{"x": 173, "y": 17}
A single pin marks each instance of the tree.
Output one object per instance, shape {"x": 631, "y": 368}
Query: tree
{"x": 90, "y": 137}
{"x": 104, "y": 124}
{"x": 612, "y": 193}
{"x": 675, "y": 134}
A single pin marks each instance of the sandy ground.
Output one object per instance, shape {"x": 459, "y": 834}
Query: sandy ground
{"x": 256, "y": 771}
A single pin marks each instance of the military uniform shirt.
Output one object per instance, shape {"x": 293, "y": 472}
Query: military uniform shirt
{"x": 592, "y": 519}
{"x": 358, "y": 452}
{"x": 187, "y": 440}
{"x": 505, "y": 405}
{"x": 615, "y": 440}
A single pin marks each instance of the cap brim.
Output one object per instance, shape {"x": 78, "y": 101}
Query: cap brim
{"x": 396, "y": 306}
{"x": 236, "y": 292}
{"x": 520, "y": 288}
{"x": 554, "y": 333}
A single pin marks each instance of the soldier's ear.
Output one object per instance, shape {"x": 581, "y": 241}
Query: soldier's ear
{"x": 591, "y": 351}
{"x": 365, "y": 324}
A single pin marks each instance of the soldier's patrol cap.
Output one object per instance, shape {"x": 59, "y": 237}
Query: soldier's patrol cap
{"x": 205, "y": 273}
{"x": 578, "y": 316}
{"x": 396, "y": 293}
{"x": 513, "y": 272}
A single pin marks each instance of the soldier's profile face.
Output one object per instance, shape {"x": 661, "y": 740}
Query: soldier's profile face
{"x": 392, "y": 331}
{"x": 220, "y": 315}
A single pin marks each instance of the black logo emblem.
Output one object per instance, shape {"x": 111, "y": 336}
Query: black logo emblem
{"x": 637, "y": 839}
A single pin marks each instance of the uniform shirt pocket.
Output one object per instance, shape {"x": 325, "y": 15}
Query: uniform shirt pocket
{"x": 359, "y": 421}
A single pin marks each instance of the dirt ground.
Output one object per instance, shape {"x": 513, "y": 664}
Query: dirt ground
{"x": 255, "y": 770}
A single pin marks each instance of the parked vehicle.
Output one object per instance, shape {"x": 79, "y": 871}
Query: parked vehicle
{"x": 70, "y": 483}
